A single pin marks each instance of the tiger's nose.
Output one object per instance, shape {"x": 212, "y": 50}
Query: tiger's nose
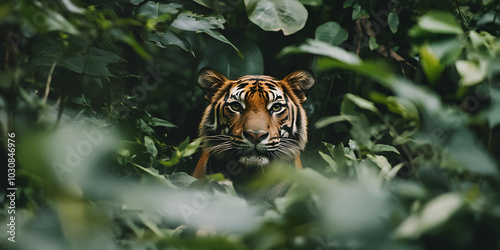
{"x": 255, "y": 137}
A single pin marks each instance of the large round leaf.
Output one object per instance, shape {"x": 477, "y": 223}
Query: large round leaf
{"x": 224, "y": 59}
{"x": 273, "y": 15}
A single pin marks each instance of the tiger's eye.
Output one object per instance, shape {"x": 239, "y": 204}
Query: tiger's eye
{"x": 276, "y": 107}
{"x": 235, "y": 106}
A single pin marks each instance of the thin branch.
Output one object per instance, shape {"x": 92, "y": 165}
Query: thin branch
{"x": 360, "y": 30}
{"x": 403, "y": 146}
{"x": 465, "y": 22}
{"x": 399, "y": 58}
{"x": 402, "y": 69}
{"x": 60, "y": 111}
{"x": 47, "y": 85}
{"x": 367, "y": 27}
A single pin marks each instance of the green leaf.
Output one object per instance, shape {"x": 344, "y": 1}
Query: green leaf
{"x": 330, "y": 147}
{"x": 217, "y": 35}
{"x": 150, "y": 146}
{"x": 216, "y": 177}
{"x": 181, "y": 179}
{"x": 362, "y": 103}
{"x": 96, "y": 61}
{"x": 483, "y": 40}
{"x": 434, "y": 214}
{"x": 207, "y": 24}
{"x": 397, "y": 105}
{"x": 377, "y": 148}
{"x": 164, "y": 39}
{"x": 185, "y": 149}
{"x": 82, "y": 101}
{"x": 155, "y": 10}
{"x": 393, "y": 21}
{"x": 224, "y": 59}
{"x": 372, "y": 43}
{"x": 136, "y": 2}
{"x": 324, "y": 49}
{"x": 374, "y": 70}
{"x": 155, "y": 173}
{"x": 82, "y": 59}
{"x": 439, "y": 22}
{"x": 172, "y": 162}
{"x": 471, "y": 72}
{"x": 206, "y": 3}
{"x": 347, "y": 3}
{"x": 46, "y": 19}
{"x": 340, "y": 160}
{"x": 182, "y": 146}
{"x": 447, "y": 50}
{"x": 343, "y": 215}
{"x": 470, "y": 155}
{"x": 331, "y": 33}
{"x": 494, "y": 110}
{"x": 419, "y": 95}
{"x": 430, "y": 64}
{"x": 196, "y": 22}
{"x": 394, "y": 171}
{"x": 325, "y": 121}
{"x": 71, "y": 7}
{"x": 381, "y": 162}
{"x": 157, "y": 122}
{"x": 312, "y": 2}
{"x": 143, "y": 126}
{"x": 329, "y": 160}
{"x": 75, "y": 63}
{"x": 357, "y": 12}
{"x": 401, "y": 86}
{"x": 191, "y": 148}
{"x": 289, "y": 16}
{"x": 130, "y": 40}
{"x": 404, "y": 137}
{"x": 408, "y": 188}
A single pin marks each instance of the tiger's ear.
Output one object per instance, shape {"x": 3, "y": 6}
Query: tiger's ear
{"x": 210, "y": 81}
{"x": 300, "y": 81}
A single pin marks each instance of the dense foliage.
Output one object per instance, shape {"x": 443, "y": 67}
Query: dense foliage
{"x": 102, "y": 98}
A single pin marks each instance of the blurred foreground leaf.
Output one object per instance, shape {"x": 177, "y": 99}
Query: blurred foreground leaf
{"x": 435, "y": 213}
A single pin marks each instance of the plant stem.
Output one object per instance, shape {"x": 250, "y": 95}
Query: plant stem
{"x": 47, "y": 85}
{"x": 403, "y": 146}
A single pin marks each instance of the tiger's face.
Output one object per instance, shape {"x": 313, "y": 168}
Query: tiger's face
{"x": 255, "y": 119}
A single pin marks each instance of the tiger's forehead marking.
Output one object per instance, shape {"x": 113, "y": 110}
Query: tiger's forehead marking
{"x": 265, "y": 87}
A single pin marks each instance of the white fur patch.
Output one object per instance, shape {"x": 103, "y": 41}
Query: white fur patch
{"x": 253, "y": 160}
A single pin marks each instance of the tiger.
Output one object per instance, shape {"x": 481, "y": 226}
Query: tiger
{"x": 251, "y": 123}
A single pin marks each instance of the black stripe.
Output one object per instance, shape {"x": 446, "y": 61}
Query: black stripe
{"x": 273, "y": 96}
{"x": 287, "y": 129}
{"x": 299, "y": 121}
{"x": 242, "y": 85}
{"x": 270, "y": 85}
